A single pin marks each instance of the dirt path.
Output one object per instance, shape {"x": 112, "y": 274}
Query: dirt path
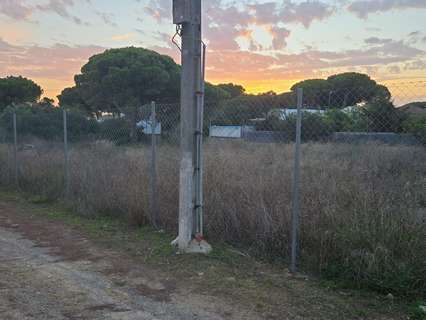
{"x": 37, "y": 285}
{"x": 68, "y": 278}
{"x": 49, "y": 270}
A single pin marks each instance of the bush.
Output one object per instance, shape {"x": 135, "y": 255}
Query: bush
{"x": 378, "y": 116}
{"x": 242, "y": 109}
{"x": 382, "y": 116}
{"x": 116, "y": 130}
{"x": 416, "y": 125}
{"x": 46, "y": 122}
{"x": 339, "y": 121}
{"x": 80, "y": 128}
{"x": 314, "y": 126}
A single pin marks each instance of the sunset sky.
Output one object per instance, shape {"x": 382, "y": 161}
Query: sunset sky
{"x": 263, "y": 45}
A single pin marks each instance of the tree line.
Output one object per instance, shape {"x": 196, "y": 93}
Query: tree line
{"x": 120, "y": 81}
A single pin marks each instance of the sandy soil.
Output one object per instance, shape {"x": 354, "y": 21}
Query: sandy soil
{"x": 51, "y": 270}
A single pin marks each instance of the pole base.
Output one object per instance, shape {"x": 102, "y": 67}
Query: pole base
{"x": 198, "y": 246}
{"x": 195, "y": 246}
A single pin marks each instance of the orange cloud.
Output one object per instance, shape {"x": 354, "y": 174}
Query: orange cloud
{"x": 54, "y": 67}
{"x": 123, "y": 37}
{"x": 13, "y": 32}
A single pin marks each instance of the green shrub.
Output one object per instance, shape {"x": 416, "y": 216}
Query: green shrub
{"x": 418, "y": 311}
{"x": 416, "y": 125}
{"x": 382, "y": 116}
{"x": 340, "y": 121}
{"x": 45, "y": 122}
{"x": 115, "y": 130}
{"x": 314, "y": 126}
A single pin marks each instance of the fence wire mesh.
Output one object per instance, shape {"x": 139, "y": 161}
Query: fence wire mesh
{"x": 362, "y": 150}
{"x": 6, "y": 149}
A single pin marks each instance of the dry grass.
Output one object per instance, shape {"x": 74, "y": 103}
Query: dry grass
{"x": 361, "y": 205}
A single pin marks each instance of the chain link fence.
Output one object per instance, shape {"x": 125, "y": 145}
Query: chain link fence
{"x": 347, "y": 164}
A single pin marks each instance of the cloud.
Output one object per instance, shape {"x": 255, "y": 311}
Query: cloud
{"x": 362, "y": 8}
{"x": 264, "y": 13}
{"x": 223, "y": 24}
{"x": 249, "y": 67}
{"x": 15, "y": 9}
{"x": 60, "y": 7}
{"x": 305, "y": 12}
{"x": 261, "y": 28}
{"x": 243, "y": 66}
{"x": 376, "y": 40}
{"x": 123, "y": 37}
{"x": 159, "y": 10}
{"x": 279, "y": 36}
{"x": 58, "y": 63}
{"x": 394, "y": 69}
{"x": 236, "y": 21}
{"x": 23, "y": 9}
{"x": 107, "y": 18}
{"x": 415, "y": 37}
{"x": 414, "y": 33}
{"x": 5, "y": 47}
{"x": 314, "y": 61}
{"x": 416, "y": 65}
{"x": 373, "y": 29}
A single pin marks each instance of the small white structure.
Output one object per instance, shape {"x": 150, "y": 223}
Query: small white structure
{"x": 110, "y": 116}
{"x": 147, "y": 127}
{"x": 226, "y": 132}
{"x": 229, "y": 132}
{"x": 351, "y": 109}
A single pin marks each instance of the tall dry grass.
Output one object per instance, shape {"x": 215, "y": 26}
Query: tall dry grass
{"x": 362, "y": 205}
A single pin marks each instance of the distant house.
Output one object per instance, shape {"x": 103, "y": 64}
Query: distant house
{"x": 147, "y": 127}
{"x": 109, "y": 116}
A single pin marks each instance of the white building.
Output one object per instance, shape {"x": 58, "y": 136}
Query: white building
{"x": 229, "y": 132}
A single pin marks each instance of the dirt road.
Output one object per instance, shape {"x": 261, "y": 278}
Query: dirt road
{"x": 50, "y": 270}
{"x": 68, "y": 278}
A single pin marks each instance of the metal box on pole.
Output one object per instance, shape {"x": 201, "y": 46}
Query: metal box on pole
{"x": 183, "y": 12}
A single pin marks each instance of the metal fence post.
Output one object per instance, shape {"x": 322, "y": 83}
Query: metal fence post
{"x": 199, "y": 201}
{"x": 153, "y": 169}
{"x": 66, "y": 155}
{"x": 296, "y": 180}
{"x": 15, "y": 149}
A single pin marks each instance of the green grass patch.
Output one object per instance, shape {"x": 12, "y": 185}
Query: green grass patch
{"x": 418, "y": 311}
